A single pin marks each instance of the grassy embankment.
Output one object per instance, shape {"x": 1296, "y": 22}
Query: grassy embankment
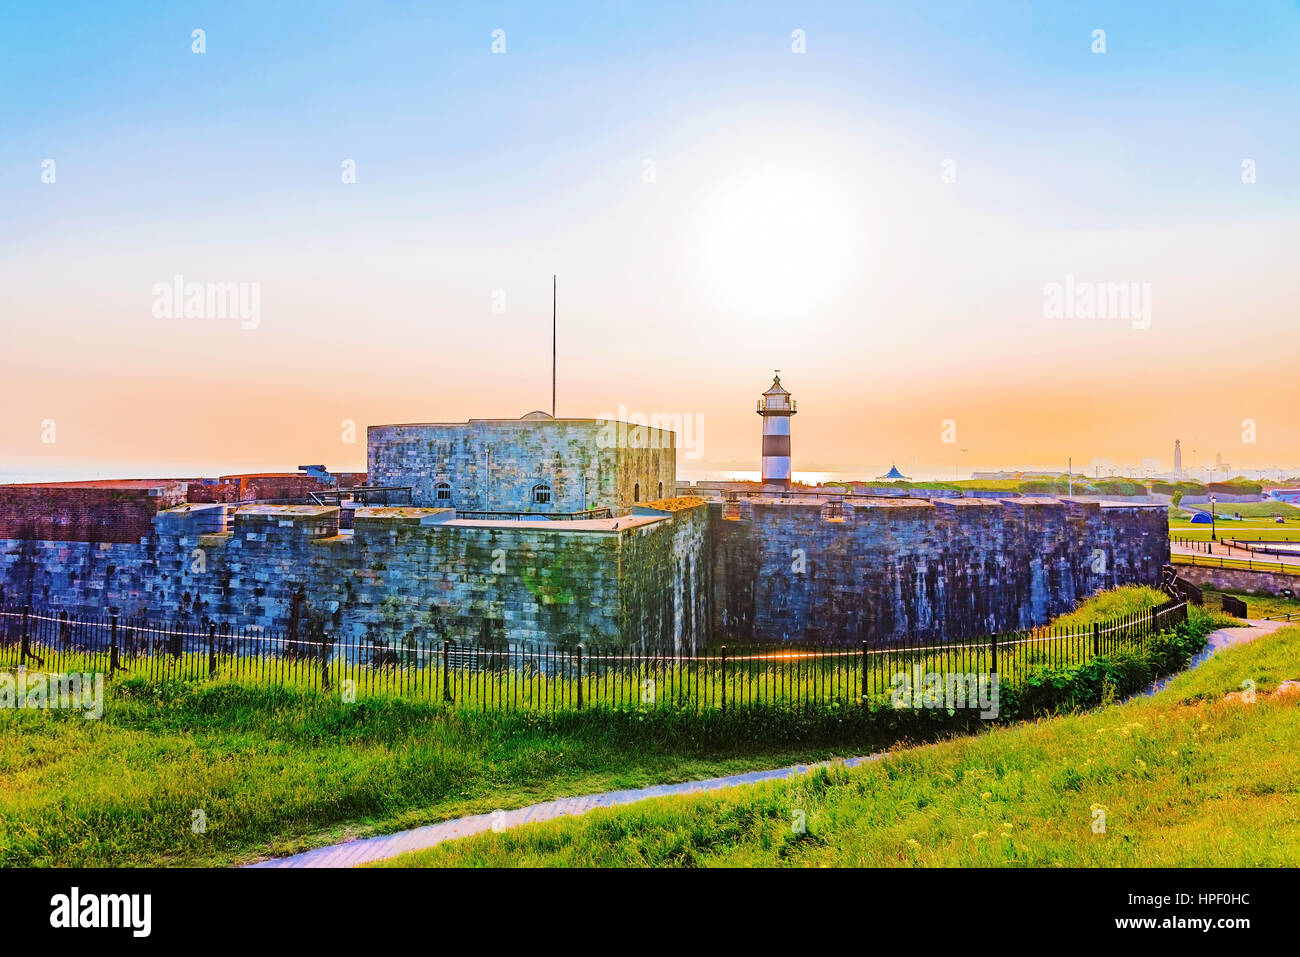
{"x": 277, "y": 770}
{"x": 1183, "y": 778}
{"x": 1257, "y": 606}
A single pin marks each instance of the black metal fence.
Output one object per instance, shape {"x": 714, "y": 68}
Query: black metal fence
{"x": 1242, "y": 564}
{"x": 519, "y": 677}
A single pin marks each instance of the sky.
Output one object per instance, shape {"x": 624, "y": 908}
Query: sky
{"x": 888, "y": 202}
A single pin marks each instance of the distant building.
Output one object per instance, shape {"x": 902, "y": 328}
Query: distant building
{"x": 1289, "y": 494}
{"x": 1178, "y": 458}
{"x": 893, "y": 475}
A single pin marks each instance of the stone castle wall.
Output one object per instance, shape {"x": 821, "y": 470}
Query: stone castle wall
{"x": 493, "y": 464}
{"x": 889, "y": 570}
{"x": 405, "y": 576}
{"x": 675, "y": 573}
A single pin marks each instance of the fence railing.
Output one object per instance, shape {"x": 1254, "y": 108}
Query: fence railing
{"x": 510, "y": 677}
{"x": 1264, "y": 547}
{"x": 1245, "y": 564}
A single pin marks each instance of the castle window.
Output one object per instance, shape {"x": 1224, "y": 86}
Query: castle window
{"x": 442, "y": 492}
{"x": 542, "y": 494}
{"x": 636, "y": 492}
{"x": 661, "y": 489}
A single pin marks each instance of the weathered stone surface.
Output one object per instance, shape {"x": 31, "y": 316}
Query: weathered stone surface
{"x": 789, "y": 570}
{"x": 494, "y": 464}
{"x": 675, "y": 573}
{"x": 404, "y": 577}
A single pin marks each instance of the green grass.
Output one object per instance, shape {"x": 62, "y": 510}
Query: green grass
{"x": 280, "y": 770}
{"x": 1184, "y": 778}
{"x": 1109, "y": 604}
{"x": 1257, "y": 605}
{"x": 277, "y": 770}
{"x": 1252, "y": 509}
{"x": 1249, "y": 530}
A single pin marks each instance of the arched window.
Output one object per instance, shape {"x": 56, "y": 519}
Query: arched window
{"x": 442, "y": 492}
{"x": 636, "y": 492}
{"x": 661, "y": 489}
{"x": 541, "y": 494}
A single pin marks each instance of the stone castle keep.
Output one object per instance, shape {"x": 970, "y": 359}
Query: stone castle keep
{"x": 550, "y": 530}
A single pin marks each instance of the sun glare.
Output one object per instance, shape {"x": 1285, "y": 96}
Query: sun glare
{"x": 777, "y": 243}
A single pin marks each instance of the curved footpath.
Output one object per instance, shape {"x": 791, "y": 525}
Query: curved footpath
{"x": 364, "y": 850}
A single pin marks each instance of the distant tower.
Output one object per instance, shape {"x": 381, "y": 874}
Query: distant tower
{"x": 776, "y": 408}
{"x": 1178, "y": 458}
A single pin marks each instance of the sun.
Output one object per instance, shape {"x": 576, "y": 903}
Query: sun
{"x": 776, "y": 243}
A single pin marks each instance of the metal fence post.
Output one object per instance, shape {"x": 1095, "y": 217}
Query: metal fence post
{"x": 212, "y": 649}
{"x": 327, "y": 648}
{"x": 112, "y": 648}
{"x": 724, "y": 679}
{"x": 295, "y": 613}
{"x": 25, "y": 645}
{"x": 993, "y": 643}
{"x": 446, "y": 670}
{"x": 580, "y": 676}
{"x": 864, "y": 672}
{"x": 1096, "y": 639}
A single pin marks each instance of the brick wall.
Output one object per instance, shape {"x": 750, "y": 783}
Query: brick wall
{"x": 80, "y": 513}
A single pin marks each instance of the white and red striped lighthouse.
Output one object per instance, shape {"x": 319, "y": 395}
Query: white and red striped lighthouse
{"x": 776, "y": 407}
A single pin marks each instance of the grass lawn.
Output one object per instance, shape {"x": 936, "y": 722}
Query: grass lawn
{"x": 279, "y": 770}
{"x": 1184, "y": 778}
{"x": 1252, "y": 509}
{"x": 1252, "y": 530}
{"x": 1257, "y": 606}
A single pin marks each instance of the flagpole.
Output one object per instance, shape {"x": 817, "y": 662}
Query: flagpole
{"x": 552, "y": 345}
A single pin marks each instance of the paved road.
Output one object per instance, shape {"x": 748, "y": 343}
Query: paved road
{"x": 1227, "y": 551}
{"x": 364, "y": 850}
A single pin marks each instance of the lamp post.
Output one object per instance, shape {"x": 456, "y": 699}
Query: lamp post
{"x": 1213, "y": 520}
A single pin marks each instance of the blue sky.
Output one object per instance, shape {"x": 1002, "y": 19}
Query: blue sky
{"x": 478, "y": 172}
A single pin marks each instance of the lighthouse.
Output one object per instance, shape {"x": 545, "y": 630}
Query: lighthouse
{"x": 776, "y": 407}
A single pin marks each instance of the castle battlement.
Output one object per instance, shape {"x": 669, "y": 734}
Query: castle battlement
{"x": 544, "y": 530}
